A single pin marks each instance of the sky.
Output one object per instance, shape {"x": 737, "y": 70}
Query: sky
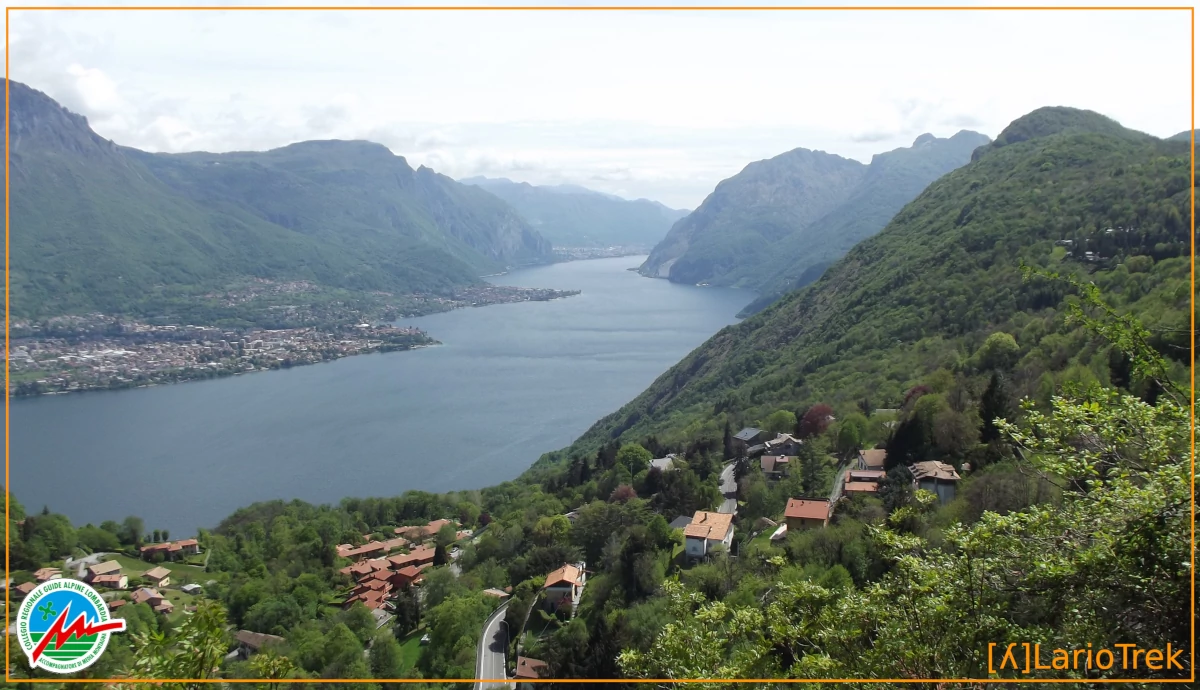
{"x": 658, "y": 105}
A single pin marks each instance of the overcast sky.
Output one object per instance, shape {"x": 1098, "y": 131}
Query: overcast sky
{"x": 661, "y": 105}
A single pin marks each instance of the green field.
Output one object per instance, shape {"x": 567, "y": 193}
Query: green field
{"x": 410, "y": 649}
{"x": 134, "y": 567}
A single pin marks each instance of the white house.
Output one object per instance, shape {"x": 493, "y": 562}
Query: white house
{"x": 705, "y": 531}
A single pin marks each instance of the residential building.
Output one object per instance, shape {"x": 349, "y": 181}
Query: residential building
{"x": 158, "y": 576}
{"x": 112, "y": 581}
{"x": 421, "y": 555}
{"x": 254, "y": 642}
{"x": 46, "y": 574}
{"x": 783, "y": 444}
{"x": 564, "y": 586}
{"x": 171, "y": 550}
{"x": 116, "y": 604}
{"x": 664, "y": 464}
{"x": 706, "y": 531}
{"x": 498, "y": 593}
{"x": 872, "y": 459}
{"x": 105, "y": 568}
{"x": 747, "y": 438}
{"x": 157, "y": 601}
{"x": 865, "y": 476}
{"x": 774, "y": 466}
{"x": 804, "y": 513}
{"x": 191, "y": 589}
{"x": 24, "y": 588}
{"x": 937, "y": 477}
{"x": 530, "y": 669}
{"x": 860, "y": 488}
{"x": 419, "y": 533}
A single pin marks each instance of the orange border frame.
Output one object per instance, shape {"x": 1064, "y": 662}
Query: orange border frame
{"x": 600, "y": 9}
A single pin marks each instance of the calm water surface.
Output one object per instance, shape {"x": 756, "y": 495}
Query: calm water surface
{"x": 509, "y": 383}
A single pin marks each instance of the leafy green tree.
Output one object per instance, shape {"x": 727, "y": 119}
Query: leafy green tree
{"x": 634, "y": 458}
{"x": 851, "y": 432}
{"x": 999, "y": 351}
{"x": 994, "y": 405}
{"x": 132, "y": 530}
{"x": 358, "y": 619}
{"x": 780, "y": 422}
{"x": 386, "y": 659}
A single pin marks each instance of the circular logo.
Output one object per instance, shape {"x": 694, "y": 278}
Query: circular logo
{"x": 63, "y": 626}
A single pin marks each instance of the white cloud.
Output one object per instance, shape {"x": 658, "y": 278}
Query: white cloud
{"x": 645, "y": 104}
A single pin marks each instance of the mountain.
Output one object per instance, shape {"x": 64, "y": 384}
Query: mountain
{"x": 777, "y": 224}
{"x": 98, "y": 226}
{"x": 573, "y": 216}
{"x": 1185, "y": 135}
{"x": 923, "y": 294}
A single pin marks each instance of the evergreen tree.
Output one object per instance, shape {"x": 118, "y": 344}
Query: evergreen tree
{"x": 994, "y": 405}
{"x": 728, "y": 442}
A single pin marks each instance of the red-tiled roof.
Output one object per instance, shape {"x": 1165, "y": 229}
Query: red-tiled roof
{"x": 566, "y": 575}
{"x": 873, "y": 458}
{"x": 810, "y": 509}
{"x": 861, "y": 487}
{"x": 711, "y": 526}
{"x": 530, "y": 668}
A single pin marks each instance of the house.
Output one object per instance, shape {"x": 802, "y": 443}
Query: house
{"x": 564, "y": 585}
{"x": 498, "y": 593}
{"x": 159, "y": 576}
{"x": 190, "y": 547}
{"x": 421, "y": 555}
{"x": 116, "y": 604}
{"x": 872, "y": 459}
{"x": 707, "y": 530}
{"x": 357, "y": 553}
{"x": 664, "y": 464}
{"x": 47, "y": 574}
{"x": 937, "y": 477}
{"x": 190, "y": 589}
{"x": 530, "y": 669}
{"x": 774, "y": 466}
{"x": 111, "y": 581}
{"x": 747, "y": 438}
{"x": 408, "y": 576}
{"x": 802, "y": 513}
{"x": 105, "y": 568}
{"x": 419, "y": 533}
{"x": 156, "y": 601}
{"x": 24, "y": 588}
{"x": 860, "y": 488}
{"x": 783, "y": 444}
{"x": 865, "y": 476}
{"x": 253, "y": 642}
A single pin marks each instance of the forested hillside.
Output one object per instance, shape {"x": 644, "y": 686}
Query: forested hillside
{"x": 779, "y": 223}
{"x": 97, "y": 226}
{"x": 571, "y": 216}
{"x": 926, "y": 293}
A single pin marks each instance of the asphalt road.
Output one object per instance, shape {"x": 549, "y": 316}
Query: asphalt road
{"x": 728, "y": 490}
{"x": 489, "y": 658}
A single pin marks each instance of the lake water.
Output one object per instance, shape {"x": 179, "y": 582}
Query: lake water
{"x": 509, "y": 383}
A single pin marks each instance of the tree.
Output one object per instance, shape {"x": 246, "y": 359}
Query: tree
{"x": 132, "y": 530}
{"x": 727, "y": 443}
{"x": 780, "y": 422}
{"x": 851, "y": 432}
{"x": 386, "y": 659}
{"x": 815, "y": 420}
{"x": 551, "y": 529}
{"x": 994, "y": 405}
{"x": 408, "y": 612}
{"x": 622, "y": 494}
{"x": 999, "y": 351}
{"x": 166, "y": 535}
{"x": 193, "y": 650}
{"x": 954, "y": 432}
{"x": 157, "y": 537}
{"x": 634, "y": 458}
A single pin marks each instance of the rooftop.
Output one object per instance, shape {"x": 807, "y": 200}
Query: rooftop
{"x": 807, "y": 508}
{"x": 932, "y": 469}
{"x": 706, "y": 525}
{"x": 873, "y": 458}
{"x": 568, "y": 574}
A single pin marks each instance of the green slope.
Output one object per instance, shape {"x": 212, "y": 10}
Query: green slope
{"x": 734, "y": 232}
{"x": 577, "y": 217}
{"x": 786, "y": 218}
{"x": 96, "y": 226}
{"x": 925, "y": 292}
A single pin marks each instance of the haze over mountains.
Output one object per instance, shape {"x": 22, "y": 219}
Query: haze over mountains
{"x": 98, "y": 226}
{"x": 780, "y": 222}
{"x": 573, "y": 216}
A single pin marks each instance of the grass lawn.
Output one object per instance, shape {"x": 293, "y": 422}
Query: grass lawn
{"x": 180, "y": 600}
{"x": 410, "y": 649}
{"x": 134, "y": 567}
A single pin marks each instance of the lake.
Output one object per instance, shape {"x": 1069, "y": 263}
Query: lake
{"x": 509, "y": 383}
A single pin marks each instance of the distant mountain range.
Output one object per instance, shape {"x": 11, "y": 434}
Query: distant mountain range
{"x": 779, "y": 223}
{"x": 573, "y": 216}
{"x": 98, "y": 226}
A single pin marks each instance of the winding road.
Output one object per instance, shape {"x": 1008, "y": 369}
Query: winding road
{"x": 489, "y": 658}
{"x": 728, "y": 490}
